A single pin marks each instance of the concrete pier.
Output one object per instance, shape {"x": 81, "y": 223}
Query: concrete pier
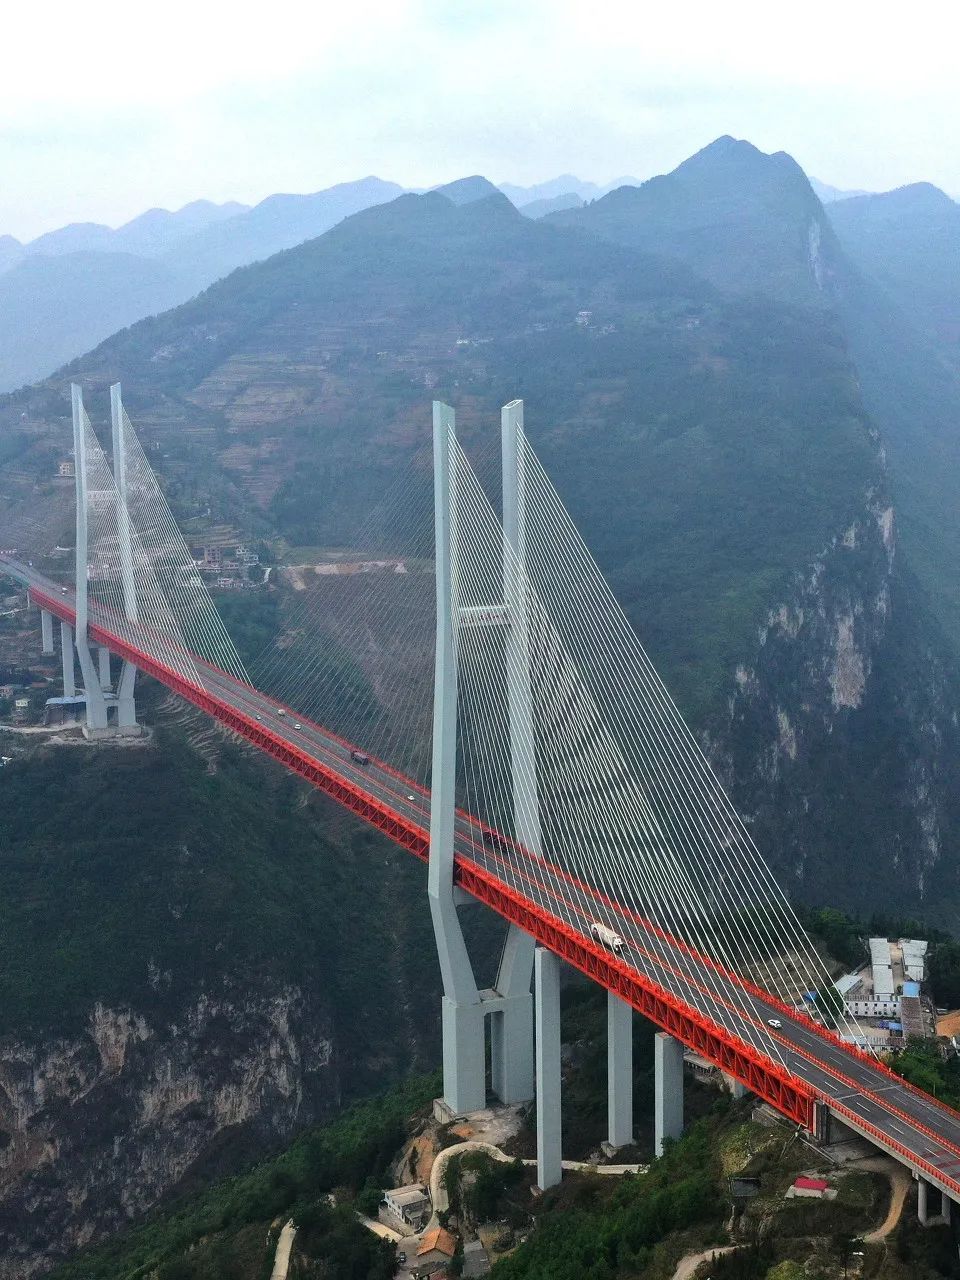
{"x": 546, "y": 970}
{"x": 46, "y": 632}
{"x": 619, "y": 1072}
{"x": 66, "y": 655}
{"x": 668, "y": 1083}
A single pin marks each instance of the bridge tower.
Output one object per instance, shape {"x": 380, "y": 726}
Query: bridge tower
{"x": 509, "y": 1004}
{"x": 99, "y": 696}
{"x": 126, "y": 707}
{"x": 96, "y": 704}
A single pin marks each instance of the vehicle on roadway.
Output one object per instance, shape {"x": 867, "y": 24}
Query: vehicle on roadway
{"x": 280, "y": 711}
{"x": 600, "y": 933}
{"x": 360, "y": 757}
{"x": 297, "y": 725}
{"x": 495, "y": 840}
{"x": 775, "y": 1023}
{"x": 63, "y": 591}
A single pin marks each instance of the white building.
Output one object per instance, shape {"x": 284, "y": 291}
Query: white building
{"x": 409, "y": 1204}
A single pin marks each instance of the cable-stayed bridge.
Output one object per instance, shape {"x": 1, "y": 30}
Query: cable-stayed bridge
{"x": 564, "y": 791}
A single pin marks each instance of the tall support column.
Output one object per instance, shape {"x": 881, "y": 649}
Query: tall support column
{"x": 126, "y": 706}
{"x": 512, "y": 1041}
{"x": 46, "y": 631}
{"x": 96, "y": 706}
{"x": 511, "y": 1028}
{"x": 547, "y": 1003}
{"x": 103, "y": 669}
{"x": 66, "y": 655}
{"x": 936, "y": 1214}
{"x": 923, "y": 1214}
{"x": 464, "y": 1058}
{"x": 619, "y": 1072}
{"x": 668, "y": 1084}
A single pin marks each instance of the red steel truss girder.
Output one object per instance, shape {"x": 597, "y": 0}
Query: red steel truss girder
{"x": 790, "y": 1096}
{"x": 884, "y": 1140}
{"x": 793, "y": 1097}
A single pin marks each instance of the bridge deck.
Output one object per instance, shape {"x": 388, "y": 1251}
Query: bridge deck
{"x": 709, "y": 1009}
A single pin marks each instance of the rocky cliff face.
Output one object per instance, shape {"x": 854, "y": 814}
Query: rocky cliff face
{"x": 840, "y": 732}
{"x": 95, "y": 1128}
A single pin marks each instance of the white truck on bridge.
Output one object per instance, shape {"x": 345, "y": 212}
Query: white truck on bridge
{"x": 607, "y": 936}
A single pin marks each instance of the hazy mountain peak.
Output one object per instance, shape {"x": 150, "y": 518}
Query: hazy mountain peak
{"x": 920, "y": 196}
{"x": 468, "y": 190}
{"x": 540, "y": 208}
{"x": 73, "y": 238}
{"x": 830, "y": 195}
{"x": 741, "y": 218}
{"x": 727, "y": 155}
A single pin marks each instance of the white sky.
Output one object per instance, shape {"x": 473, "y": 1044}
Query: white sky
{"x": 108, "y": 108}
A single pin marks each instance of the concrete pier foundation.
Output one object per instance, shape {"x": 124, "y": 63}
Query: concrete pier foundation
{"x": 511, "y": 1049}
{"x": 66, "y": 656}
{"x": 46, "y": 632}
{"x": 668, "y": 1083}
{"x": 619, "y": 1072}
{"x": 546, "y": 970}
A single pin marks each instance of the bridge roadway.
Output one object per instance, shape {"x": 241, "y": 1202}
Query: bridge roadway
{"x": 792, "y": 1065}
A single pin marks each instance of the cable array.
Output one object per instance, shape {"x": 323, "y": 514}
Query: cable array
{"x": 166, "y": 561}
{"x": 590, "y": 795}
{"x": 355, "y": 649}
{"x": 630, "y": 827}
{"x": 745, "y": 902}
{"x": 123, "y": 591}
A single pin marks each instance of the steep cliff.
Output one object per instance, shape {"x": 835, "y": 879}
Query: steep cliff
{"x": 98, "y": 1126}
{"x": 840, "y": 741}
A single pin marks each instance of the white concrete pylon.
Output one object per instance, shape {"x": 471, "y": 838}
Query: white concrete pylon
{"x": 96, "y": 725}
{"x": 512, "y": 1038}
{"x": 126, "y": 706}
{"x": 464, "y": 1044}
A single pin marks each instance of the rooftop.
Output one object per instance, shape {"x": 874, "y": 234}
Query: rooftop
{"x": 438, "y": 1240}
{"x": 413, "y": 1193}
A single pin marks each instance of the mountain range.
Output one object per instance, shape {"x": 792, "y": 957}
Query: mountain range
{"x": 55, "y": 303}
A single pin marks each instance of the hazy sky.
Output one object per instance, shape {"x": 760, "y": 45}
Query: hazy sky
{"x": 110, "y": 107}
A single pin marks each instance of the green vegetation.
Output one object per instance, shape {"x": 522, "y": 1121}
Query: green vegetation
{"x": 604, "y": 1237}
{"x": 481, "y": 1189}
{"x": 945, "y": 972}
{"x": 204, "y": 1239}
{"x": 923, "y": 1065}
{"x": 182, "y": 865}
